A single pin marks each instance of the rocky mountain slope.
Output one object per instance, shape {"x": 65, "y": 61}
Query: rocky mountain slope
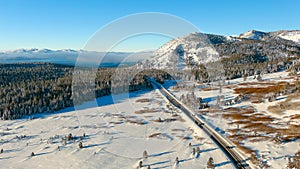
{"x": 200, "y": 48}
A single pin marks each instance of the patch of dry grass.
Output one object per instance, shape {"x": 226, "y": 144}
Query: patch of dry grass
{"x": 239, "y": 122}
{"x": 260, "y": 127}
{"x": 209, "y": 89}
{"x": 243, "y": 148}
{"x": 198, "y": 138}
{"x": 274, "y": 87}
{"x": 230, "y": 86}
{"x": 155, "y": 135}
{"x": 182, "y": 130}
{"x": 236, "y": 113}
{"x": 292, "y": 96}
{"x": 256, "y": 83}
{"x": 295, "y": 117}
{"x": 143, "y": 100}
{"x": 256, "y": 99}
{"x": 143, "y": 111}
{"x": 136, "y": 121}
{"x": 275, "y": 109}
{"x": 261, "y": 118}
{"x": 288, "y": 104}
{"x": 209, "y": 110}
{"x": 259, "y": 139}
{"x": 251, "y": 121}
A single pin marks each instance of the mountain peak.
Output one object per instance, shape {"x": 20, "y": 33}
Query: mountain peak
{"x": 253, "y": 34}
{"x": 199, "y": 48}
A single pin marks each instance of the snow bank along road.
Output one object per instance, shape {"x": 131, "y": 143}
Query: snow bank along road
{"x": 226, "y": 145}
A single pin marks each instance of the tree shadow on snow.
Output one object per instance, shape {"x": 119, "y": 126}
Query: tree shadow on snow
{"x": 222, "y": 164}
{"x": 96, "y": 145}
{"x": 210, "y": 149}
{"x": 5, "y": 158}
{"x": 158, "y": 163}
{"x": 197, "y": 145}
{"x": 184, "y": 160}
{"x": 43, "y": 153}
{"x": 160, "y": 154}
{"x": 166, "y": 166}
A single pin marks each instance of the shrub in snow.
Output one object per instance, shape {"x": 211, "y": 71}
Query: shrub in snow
{"x": 259, "y": 78}
{"x": 193, "y": 151}
{"x": 80, "y": 145}
{"x": 145, "y": 154}
{"x": 70, "y": 137}
{"x": 294, "y": 163}
{"x": 278, "y": 138}
{"x": 245, "y": 78}
{"x": 176, "y": 161}
{"x": 140, "y": 164}
{"x": 254, "y": 159}
{"x": 210, "y": 163}
{"x": 198, "y": 150}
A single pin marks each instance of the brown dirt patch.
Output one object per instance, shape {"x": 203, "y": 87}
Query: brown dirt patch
{"x": 146, "y": 111}
{"x": 143, "y": 100}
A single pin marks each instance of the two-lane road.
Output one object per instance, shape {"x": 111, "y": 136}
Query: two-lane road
{"x": 226, "y": 145}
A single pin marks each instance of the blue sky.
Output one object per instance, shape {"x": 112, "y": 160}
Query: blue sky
{"x": 61, "y": 24}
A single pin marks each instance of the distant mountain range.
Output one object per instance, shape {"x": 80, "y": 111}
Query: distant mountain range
{"x": 201, "y": 48}
{"x": 69, "y": 56}
{"x": 179, "y": 53}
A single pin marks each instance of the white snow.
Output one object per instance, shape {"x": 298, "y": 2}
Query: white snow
{"x": 290, "y": 35}
{"x": 111, "y": 140}
{"x": 252, "y": 34}
{"x": 275, "y": 154}
{"x": 173, "y": 54}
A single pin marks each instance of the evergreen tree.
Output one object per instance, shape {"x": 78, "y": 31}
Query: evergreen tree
{"x": 80, "y": 145}
{"x": 210, "y": 163}
{"x": 140, "y": 164}
{"x": 145, "y": 154}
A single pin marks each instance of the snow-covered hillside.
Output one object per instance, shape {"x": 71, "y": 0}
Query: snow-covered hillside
{"x": 181, "y": 52}
{"x": 252, "y": 34}
{"x": 290, "y": 35}
{"x": 200, "y": 48}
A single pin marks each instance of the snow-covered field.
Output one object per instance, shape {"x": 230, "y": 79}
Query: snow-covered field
{"x": 114, "y": 135}
{"x": 260, "y": 142}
